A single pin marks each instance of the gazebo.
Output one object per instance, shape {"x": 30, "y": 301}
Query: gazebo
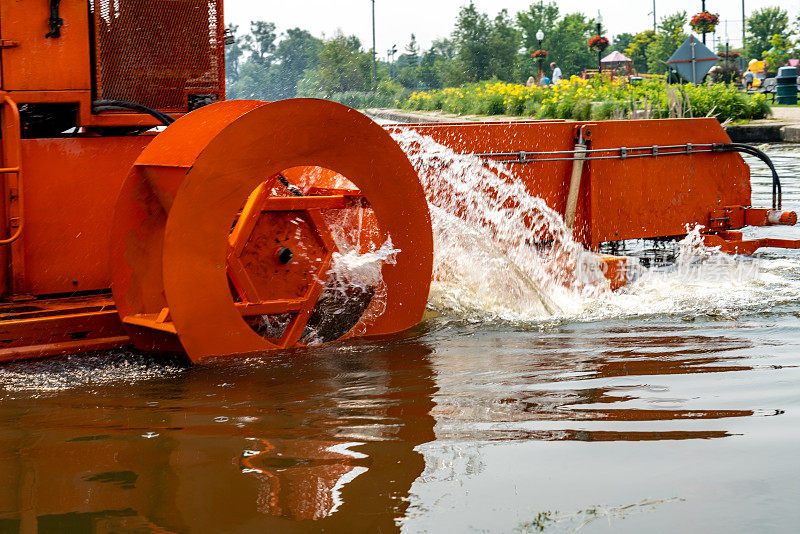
{"x": 617, "y": 63}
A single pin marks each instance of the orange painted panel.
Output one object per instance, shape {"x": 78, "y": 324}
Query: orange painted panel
{"x": 658, "y": 196}
{"x": 40, "y": 63}
{"x": 548, "y": 181}
{"x": 71, "y": 185}
{"x": 619, "y": 199}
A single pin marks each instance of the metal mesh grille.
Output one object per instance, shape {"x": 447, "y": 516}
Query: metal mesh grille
{"x": 156, "y": 52}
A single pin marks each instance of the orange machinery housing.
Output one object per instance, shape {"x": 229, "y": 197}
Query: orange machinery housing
{"x": 82, "y": 83}
{"x": 220, "y": 234}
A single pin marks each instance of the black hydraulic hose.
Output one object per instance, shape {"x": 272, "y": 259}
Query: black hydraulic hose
{"x": 292, "y": 189}
{"x": 777, "y": 193}
{"x": 105, "y": 105}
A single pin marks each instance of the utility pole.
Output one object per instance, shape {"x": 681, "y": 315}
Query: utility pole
{"x": 655, "y": 26}
{"x": 373, "y": 46}
{"x": 744, "y": 29}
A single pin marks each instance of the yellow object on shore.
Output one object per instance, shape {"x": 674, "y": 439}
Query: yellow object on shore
{"x": 759, "y": 70}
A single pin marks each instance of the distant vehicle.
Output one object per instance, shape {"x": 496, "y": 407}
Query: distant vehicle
{"x": 759, "y": 70}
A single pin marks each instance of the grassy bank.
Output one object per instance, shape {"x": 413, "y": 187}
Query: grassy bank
{"x": 596, "y": 99}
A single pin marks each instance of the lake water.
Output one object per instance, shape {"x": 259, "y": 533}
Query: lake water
{"x": 670, "y": 406}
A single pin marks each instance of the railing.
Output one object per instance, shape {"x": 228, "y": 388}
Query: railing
{"x": 11, "y": 165}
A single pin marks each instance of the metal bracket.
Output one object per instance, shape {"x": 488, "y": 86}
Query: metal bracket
{"x": 55, "y": 21}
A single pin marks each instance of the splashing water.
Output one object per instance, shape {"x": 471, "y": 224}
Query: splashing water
{"x": 501, "y": 254}
{"x": 497, "y": 249}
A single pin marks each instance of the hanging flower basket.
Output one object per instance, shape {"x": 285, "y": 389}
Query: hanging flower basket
{"x": 704, "y": 22}
{"x": 729, "y": 55}
{"x": 598, "y": 43}
{"x": 540, "y": 54}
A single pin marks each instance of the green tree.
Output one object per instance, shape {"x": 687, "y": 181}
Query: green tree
{"x": 444, "y": 48}
{"x": 342, "y": 66}
{"x": 621, "y": 43}
{"x": 778, "y": 53}
{"x": 637, "y": 49}
{"x": 670, "y": 37}
{"x": 412, "y": 50}
{"x": 260, "y": 42}
{"x": 430, "y": 68}
{"x": 567, "y": 44}
{"x": 251, "y": 83}
{"x": 471, "y": 37}
{"x": 408, "y": 64}
{"x": 539, "y": 16}
{"x": 233, "y": 55}
{"x": 504, "y": 43}
{"x": 294, "y": 54}
{"x": 762, "y": 25}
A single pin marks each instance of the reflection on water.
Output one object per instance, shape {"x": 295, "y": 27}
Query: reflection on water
{"x": 680, "y": 394}
{"x": 355, "y": 437}
{"x": 327, "y": 435}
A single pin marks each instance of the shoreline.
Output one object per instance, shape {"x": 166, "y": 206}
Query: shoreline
{"x": 777, "y": 130}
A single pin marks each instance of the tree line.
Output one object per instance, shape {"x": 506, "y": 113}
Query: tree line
{"x": 264, "y": 65}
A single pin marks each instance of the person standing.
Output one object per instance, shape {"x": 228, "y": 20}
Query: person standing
{"x": 748, "y": 80}
{"x": 556, "y": 73}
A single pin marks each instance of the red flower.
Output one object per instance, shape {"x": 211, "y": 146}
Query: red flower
{"x": 540, "y": 53}
{"x": 598, "y": 43}
{"x": 704, "y": 22}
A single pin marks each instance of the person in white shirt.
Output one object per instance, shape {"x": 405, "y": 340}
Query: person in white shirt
{"x": 556, "y": 73}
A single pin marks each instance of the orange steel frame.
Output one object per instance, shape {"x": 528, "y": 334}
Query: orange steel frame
{"x": 60, "y": 193}
{"x": 39, "y": 70}
{"x": 632, "y": 198}
{"x": 54, "y": 250}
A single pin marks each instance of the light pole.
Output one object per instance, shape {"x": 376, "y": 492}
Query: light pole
{"x": 599, "y": 52}
{"x": 728, "y": 69}
{"x": 390, "y": 53}
{"x": 655, "y": 26}
{"x": 540, "y": 38}
{"x": 703, "y": 10}
{"x": 743, "y": 27}
{"x": 373, "y": 45}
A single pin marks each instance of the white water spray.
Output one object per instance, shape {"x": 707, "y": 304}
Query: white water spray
{"x": 502, "y": 254}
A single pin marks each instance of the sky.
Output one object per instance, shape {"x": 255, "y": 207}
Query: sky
{"x": 396, "y": 20}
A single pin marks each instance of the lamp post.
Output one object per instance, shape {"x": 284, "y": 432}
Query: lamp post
{"x": 374, "y": 50}
{"x": 728, "y": 68}
{"x": 655, "y": 26}
{"x": 744, "y": 28}
{"x": 599, "y": 52}
{"x": 540, "y": 38}
{"x": 390, "y": 54}
{"x": 703, "y": 10}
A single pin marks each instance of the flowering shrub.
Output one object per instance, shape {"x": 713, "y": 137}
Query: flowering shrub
{"x": 596, "y": 99}
{"x": 729, "y": 55}
{"x": 704, "y": 22}
{"x": 598, "y": 43}
{"x": 540, "y": 54}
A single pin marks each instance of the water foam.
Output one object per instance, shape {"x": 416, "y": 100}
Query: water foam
{"x": 498, "y": 251}
{"x": 489, "y": 265}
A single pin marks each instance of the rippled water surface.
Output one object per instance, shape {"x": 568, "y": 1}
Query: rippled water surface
{"x": 671, "y": 406}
